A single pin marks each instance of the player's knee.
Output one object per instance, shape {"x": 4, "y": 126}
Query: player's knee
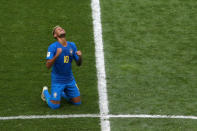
{"x": 76, "y": 101}
{"x": 53, "y": 106}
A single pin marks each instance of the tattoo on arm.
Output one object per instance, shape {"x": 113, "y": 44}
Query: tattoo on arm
{"x": 79, "y": 62}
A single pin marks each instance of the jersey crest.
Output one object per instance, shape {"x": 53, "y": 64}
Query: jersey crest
{"x": 54, "y": 94}
{"x": 71, "y": 52}
{"x": 48, "y": 54}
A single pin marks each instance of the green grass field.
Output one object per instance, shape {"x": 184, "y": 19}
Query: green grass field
{"x": 25, "y": 29}
{"x": 153, "y": 125}
{"x": 24, "y": 42}
{"x": 74, "y": 124}
{"x": 150, "y": 58}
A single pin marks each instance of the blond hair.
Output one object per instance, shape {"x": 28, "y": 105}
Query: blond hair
{"x": 54, "y": 28}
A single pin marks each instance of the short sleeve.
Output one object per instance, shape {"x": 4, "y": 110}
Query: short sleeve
{"x": 50, "y": 52}
{"x": 76, "y": 57}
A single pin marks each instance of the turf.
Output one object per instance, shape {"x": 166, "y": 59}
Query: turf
{"x": 71, "y": 124}
{"x": 136, "y": 124}
{"x": 25, "y": 30}
{"x": 150, "y": 55}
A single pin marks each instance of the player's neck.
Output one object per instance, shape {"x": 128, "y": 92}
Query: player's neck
{"x": 62, "y": 41}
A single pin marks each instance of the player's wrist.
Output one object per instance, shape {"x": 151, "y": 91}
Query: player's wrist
{"x": 57, "y": 55}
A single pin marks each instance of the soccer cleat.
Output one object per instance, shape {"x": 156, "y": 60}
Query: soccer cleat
{"x": 42, "y": 94}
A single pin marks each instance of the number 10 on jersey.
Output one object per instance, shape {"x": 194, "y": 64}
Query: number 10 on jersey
{"x": 66, "y": 59}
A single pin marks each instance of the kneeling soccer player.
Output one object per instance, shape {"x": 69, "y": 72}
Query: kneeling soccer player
{"x": 59, "y": 56}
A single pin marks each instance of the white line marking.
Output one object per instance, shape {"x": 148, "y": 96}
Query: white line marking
{"x": 97, "y": 116}
{"x": 152, "y": 116}
{"x": 50, "y": 116}
{"x": 100, "y": 65}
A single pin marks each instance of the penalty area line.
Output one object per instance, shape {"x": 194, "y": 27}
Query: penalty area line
{"x": 98, "y": 116}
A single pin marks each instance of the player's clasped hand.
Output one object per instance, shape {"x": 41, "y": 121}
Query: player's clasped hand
{"x": 79, "y": 53}
{"x": 59, "y": 51}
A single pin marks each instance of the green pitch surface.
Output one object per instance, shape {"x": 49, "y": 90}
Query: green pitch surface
{"x": 83, "y": 124}
{"x": 153, "y": 125}
{"x": 150, "y": 56}
{"x": 26, "y": 33}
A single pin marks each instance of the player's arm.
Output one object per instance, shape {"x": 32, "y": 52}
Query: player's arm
{"x": 50, "y": 62}
{"x": 77, "y": 55}
{"x": 79, "y": 61}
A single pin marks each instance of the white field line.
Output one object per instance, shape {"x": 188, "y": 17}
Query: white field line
{"x": 50, "y": 116}
{"x": 97, "y": 116}
{"x": 100, "y": 65}
{"x": 153, "y": 116}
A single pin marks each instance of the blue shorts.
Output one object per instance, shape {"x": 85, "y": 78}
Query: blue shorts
{"x": 70, "y": 89}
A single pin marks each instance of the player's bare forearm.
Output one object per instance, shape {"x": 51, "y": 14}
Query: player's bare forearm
{"x": 50, "y": 62}
{"x": 79, "y": 62}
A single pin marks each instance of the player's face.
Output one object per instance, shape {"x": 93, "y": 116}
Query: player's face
{"x": 60, "y": 32}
